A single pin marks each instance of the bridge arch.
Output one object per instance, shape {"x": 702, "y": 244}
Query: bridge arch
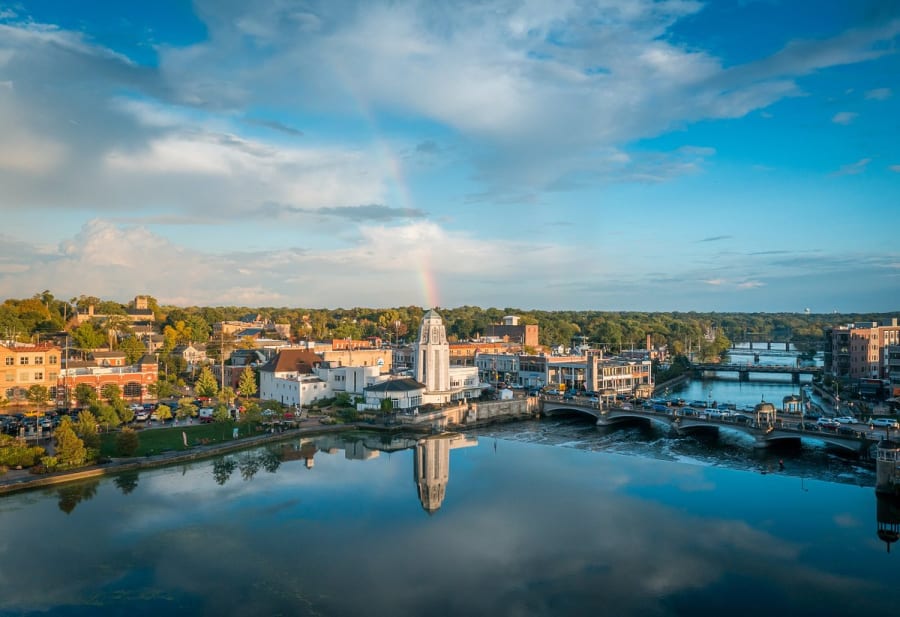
{"x": 555, "y": 408}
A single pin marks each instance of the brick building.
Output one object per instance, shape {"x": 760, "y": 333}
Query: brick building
{"x": 132, "y": 379}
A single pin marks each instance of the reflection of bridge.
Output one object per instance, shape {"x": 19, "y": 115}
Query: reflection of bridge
{"x": 744, "y": 370}
{"x": 784, "y": 429}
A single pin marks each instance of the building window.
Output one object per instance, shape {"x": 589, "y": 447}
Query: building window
{"x": 10, "y": 361}
{"x": 39, "y": 377}
{"x": 10, "y": 376}
{"x": 39, "y": 360}
{"x": 23, "y": 360}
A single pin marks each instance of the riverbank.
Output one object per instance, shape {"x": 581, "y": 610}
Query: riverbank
{"x": 20, "y": 480}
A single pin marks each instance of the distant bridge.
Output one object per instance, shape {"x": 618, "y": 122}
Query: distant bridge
{"x": 744, "y": 370}
{"x": 786, "y": 428}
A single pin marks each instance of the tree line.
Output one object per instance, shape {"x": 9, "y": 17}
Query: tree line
{"x": 43, "y": 314}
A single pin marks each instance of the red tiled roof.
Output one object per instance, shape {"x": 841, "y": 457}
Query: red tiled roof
{"x": 293, "y": 360}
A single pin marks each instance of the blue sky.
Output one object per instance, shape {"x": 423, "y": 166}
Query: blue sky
{"x": 670, "y": 155}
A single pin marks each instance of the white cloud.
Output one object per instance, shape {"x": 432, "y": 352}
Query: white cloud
{"x": 844, "y": 117}
{"x": 380, "y": 264}
{"x": 853, "y": 169}
{"x": 879, "y": 94}
{"x": 750, "y": 284}
{"x": 895, "y": 168}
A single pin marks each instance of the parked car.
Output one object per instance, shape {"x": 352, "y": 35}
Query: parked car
{"x": 827, "y": 423}
{"x": 884, "y": 422}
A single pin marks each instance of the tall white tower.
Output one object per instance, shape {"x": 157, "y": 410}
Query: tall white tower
{"x": 433, "y": 354}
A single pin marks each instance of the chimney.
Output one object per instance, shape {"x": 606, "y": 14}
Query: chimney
{"x": 649, "y": 347}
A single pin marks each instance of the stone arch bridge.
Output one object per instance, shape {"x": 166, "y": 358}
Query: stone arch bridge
{"x": 785, "y": 430}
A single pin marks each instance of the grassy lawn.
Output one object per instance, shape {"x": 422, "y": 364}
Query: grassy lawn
{"x": 156, "y": 440}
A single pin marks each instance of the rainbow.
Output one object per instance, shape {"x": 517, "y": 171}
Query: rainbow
{"x": 399, "y": 186}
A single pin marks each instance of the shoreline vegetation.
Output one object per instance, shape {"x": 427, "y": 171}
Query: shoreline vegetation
{"x": 198, "y": 448}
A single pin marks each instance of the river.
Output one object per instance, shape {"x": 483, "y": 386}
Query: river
{"x": 527, "y": 519}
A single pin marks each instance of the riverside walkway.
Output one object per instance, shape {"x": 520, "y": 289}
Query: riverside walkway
{"x": 855, "y": 438}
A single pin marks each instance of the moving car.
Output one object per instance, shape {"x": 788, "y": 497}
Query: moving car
{"x": 884, "y": 422}
{"x": 845, "y": 420}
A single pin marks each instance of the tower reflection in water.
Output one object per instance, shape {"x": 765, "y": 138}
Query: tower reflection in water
{"x": 431, "y": 466}
{"x": 888, "y": 513}
{"x": 431, "y": 461}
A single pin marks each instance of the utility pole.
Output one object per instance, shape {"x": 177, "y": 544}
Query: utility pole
{"x": 222, "y": 357}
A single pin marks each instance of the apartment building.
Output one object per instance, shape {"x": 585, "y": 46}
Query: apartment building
{"x": 858, "y": 350}
{"x": 622, "y": 375}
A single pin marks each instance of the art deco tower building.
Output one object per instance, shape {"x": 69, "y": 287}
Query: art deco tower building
{"x": 432, "y": 359}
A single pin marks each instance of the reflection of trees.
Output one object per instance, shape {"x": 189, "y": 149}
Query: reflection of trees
{"x": 126, "y": 482}
{"x": 71, "y": 495}
{"x": 249, "y": 463}
{"x": 270, "y": 460}
{"x": 222, "y": 469}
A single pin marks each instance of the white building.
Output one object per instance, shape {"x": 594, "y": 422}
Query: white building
{"x": 404, "y": 393}
{"x": 290, "y": 378}
{"x": 350, "y": 379}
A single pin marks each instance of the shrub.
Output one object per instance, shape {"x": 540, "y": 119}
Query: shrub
{"x": 127, "y": 442}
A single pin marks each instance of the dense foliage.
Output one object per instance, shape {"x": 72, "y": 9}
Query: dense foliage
{"x": 43, "y": 314}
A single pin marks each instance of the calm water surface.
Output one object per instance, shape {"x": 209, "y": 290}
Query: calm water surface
{"x": 504, "y": 523}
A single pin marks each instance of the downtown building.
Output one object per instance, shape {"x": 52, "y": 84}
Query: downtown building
{"x": 858, "y": 352}
{"x": 24, "y": 365}
{"x": 108, "y": 367}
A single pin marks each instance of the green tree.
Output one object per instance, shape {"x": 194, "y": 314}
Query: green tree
{"x": 186, "y": 408}
{"x": 206, "y": 383}
{"x": 123, "y": 410}
{"x": 88, "y": 338}
{"x": 252, "y": 414}
{"x": 221, "y": 413}
{"x": 133, "y": 349}
{"x": 85, "y": 395}
{"x": 86, "y": 428}
{"x": 70, "y": 450}
{"x": 38, "y": 395}
{"x": 16, "y": 453}
{"x": 161, "y": 389}
{"x": 164, "y": 413}
{"x": 247, "y": 384}
{"x": 111, "y": 392}
{"x": 227, "y": 395}
{"x": 127, "y": 442}
{"x": 107, "y": 416}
